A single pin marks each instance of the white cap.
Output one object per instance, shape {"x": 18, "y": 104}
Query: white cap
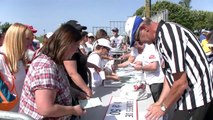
{"x": 49, "y": 34}
{"x": 90, "y": 35}
{"x": 131, "y": 26}
{"x": 204, "y": 30}
{"x": 103, "y": 42}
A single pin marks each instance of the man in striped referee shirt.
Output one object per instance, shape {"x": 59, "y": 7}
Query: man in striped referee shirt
{"x": 188, "y": 82}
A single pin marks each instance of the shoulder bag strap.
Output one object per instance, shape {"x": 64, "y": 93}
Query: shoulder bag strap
{"x": 12, "y": 75}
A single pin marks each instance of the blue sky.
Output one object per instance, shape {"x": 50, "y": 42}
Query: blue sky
{"x": 49, "y": 14}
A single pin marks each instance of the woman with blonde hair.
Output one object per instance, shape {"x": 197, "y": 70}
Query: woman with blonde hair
{"x": 14, "y": 46}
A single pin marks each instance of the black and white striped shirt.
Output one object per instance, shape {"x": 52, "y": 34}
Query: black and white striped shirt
{"x": 182, "y": 52}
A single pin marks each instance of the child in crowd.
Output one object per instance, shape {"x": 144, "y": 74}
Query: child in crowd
{"x": 102, "y": 47}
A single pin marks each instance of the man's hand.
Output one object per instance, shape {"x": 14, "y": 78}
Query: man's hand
{"x": 154, "y": 112}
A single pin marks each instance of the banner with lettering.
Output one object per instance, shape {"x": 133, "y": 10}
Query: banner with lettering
{"x": 122, "y": 109}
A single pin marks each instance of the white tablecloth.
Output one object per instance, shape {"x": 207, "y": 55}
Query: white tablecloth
{"x": 105, "y": 94}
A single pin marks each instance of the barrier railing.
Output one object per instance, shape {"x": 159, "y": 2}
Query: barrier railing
{"x": 7, "y": 115}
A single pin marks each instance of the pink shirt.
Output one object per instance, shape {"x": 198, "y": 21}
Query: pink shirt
{"x": 44, "y": 74}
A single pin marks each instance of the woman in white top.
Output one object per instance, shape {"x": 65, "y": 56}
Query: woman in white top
{"x": 17, "y": 38}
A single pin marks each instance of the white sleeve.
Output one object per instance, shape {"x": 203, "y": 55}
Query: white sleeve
{"x": 134, "y": 52}
{"x": 151, "y": 53}
{"x": 94, "y": 59}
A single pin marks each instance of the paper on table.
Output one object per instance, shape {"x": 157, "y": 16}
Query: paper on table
{"x": 112, "y": 83}
{"x": 102, "y": 75}
{"x": 92, "y": 102}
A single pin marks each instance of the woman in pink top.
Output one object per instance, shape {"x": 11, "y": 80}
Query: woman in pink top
{"x": 46, "y": 93}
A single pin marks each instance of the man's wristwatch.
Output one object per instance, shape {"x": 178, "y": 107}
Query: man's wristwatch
{"x": 163, "y": 107}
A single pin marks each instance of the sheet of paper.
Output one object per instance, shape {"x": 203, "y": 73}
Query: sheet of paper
{"x": 112, "y": 83}
{"x": 122, "y": 109}
{"x": 92, "y": 102}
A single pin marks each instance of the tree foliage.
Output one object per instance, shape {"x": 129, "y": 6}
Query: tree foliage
{"x": 4, "y": 27}
{"x": 185, "y": 3}
{"x": 181, "y": 13}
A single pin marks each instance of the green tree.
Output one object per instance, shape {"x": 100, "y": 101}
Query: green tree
{"x": 4, "y": 27}
{"x": 191, "y": 19}
{"x": 185, "y": 3}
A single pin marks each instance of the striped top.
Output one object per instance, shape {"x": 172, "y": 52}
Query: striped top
{"x": 181, "y": 52}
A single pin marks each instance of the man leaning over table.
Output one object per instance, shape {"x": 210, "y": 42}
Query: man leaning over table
{"x": 188, "y": 83}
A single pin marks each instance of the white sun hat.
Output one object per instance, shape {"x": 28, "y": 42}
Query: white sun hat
{"x": 90, "y": 35}
{"x": 102, "y": 42}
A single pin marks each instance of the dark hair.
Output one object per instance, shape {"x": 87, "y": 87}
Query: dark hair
{"x": 59, "y": 42}
{"x": 101, "y": 33}
{"x": 84, "y": 33}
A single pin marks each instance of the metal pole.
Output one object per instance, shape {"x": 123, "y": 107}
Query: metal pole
{"x": 148, "y": 8}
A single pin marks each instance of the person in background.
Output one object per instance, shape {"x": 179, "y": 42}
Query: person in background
{"x": 149, "y": 63}
{"x": 83, "y": 47}
{"x": 17, "y": 38}
{"x": 35, "y": 42}
{"x": 101, "y": 33}
{"x": 46, "y": 38}
{"x": 46, "y": 93}
{"x": 116, "y": 39}
{"x": 203, "y": 35}
{"x": 136, "y": 50}
{"x": 102, "y": 47}
{"x": 204, "y": 43}
{"x": 90, "y": 41}
{"x": 188, "y": 80}
{"x": 33, "y": 47}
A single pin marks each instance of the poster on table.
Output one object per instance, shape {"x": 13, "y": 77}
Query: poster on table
{"x": 122, "y": 109}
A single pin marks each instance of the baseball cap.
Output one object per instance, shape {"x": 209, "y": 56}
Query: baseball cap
{"x": 103, "y": 42}
{"x": 115, "y": 29}
{"x": 131, "y": 26}
{"x": 90, "y": 35}
{"x": 76, "y": 25}
{"x": 31, "y": 28}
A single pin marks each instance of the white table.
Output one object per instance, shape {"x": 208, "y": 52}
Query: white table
{"x": 105, "y": 94}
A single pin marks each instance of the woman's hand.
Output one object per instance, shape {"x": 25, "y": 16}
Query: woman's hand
{"x": 88, "y": 93}
{"x": 78, "y": 110}
{"x": 97, "y": 69}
